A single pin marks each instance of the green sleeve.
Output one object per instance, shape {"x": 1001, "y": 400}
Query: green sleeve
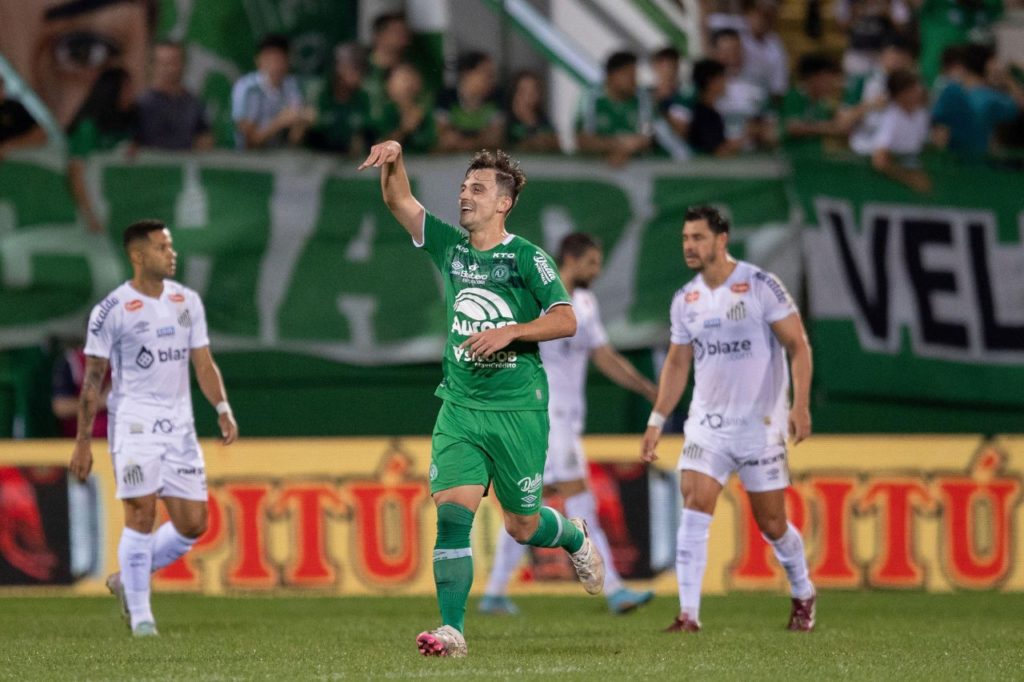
{"x": 438, "y": 238}
{"x": 541, "y": 276}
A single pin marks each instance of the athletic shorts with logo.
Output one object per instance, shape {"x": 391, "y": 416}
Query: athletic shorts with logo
{"x": 760, "y": 464}
{"x": 566, "y": 461}
{"x": 157, "y": 456}
{"x": 483, "y": 447}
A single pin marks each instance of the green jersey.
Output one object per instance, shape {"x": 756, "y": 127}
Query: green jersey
{"x": 599, "y": 114}
{"x": 513, "y": 283}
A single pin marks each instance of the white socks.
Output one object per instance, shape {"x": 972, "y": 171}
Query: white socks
{"x": 584, "y": 506}
{"x": 507, "y": 557}
{"x": 169, "y": 545}
{"x": 135, "y": 554}
{"x": 691, "y": 558}
{"x": 789, "y": 550}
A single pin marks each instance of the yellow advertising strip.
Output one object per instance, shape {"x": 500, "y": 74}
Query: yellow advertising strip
{"x": 354, "y": 517}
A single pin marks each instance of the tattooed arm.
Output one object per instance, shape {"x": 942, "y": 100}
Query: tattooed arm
{"x": 88, "y": 403}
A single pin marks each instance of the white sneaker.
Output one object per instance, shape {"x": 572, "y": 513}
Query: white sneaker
{"x": 116, "y": 588}
{"x": 444, "y": 641}
{"x": 587, "y": 561}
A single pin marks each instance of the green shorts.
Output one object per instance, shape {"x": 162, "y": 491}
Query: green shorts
{"x": 478, "y": 447}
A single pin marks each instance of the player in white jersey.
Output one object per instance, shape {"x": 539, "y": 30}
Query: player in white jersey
{"x": 147, "y": 330}
{"x": 565, "y": 473}
{"x": 736, "y": 324}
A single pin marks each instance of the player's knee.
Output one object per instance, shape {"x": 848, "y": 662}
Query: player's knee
{"x": 521, "y": 529}
{"x": 772, "y": 526}
{"x": 194, "y": 528}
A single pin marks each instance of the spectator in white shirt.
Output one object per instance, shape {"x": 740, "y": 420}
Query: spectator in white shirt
{"x": 902, "y": 132}
{"x": 745, "y": 104}
{"x": 765, "y": 61}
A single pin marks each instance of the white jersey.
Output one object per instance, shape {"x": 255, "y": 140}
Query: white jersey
{"x": 741, "y": 392}
{"x": 148, "y": 342}
{"x": 565, "y": 361}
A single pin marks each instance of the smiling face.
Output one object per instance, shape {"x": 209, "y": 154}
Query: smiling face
{"x": 61, "y": 47}
{"x": 701, "y": 246}
{"x": 481, "y": 199}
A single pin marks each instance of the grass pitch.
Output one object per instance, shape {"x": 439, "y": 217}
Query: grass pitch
{"x": 861, "y": 635}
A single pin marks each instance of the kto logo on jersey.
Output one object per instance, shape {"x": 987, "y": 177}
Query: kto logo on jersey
{"x": 691, "y": 296}
{"x": 176, "y": 298}
{"x": 740, "y": 288}
{"x": 478, "y": 310}
{"x": 133, "y": 305}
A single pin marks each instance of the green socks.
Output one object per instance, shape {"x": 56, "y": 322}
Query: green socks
{"x": 453, "y": 563}
{"x": 555, "y": 530}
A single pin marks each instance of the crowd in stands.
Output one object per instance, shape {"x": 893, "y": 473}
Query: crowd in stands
{"x": 915, "y": 73}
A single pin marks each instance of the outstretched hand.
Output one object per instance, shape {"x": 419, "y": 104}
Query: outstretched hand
{"x": 382, "y": 153}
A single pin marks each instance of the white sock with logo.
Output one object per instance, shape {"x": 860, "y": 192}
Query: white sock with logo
{"x": 691, "y": 558}
{"x": 135, "y": 554}
{"x": 507, "y": 557}
{"x": 584, "y": 506}
{"x": 789, "y": 550}
{"x": 169, "y": 545}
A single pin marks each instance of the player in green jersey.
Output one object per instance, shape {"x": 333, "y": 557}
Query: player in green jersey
{"x": 503, "y": 295}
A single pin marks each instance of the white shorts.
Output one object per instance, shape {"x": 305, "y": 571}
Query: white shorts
{"x": 157, "y": 457}
{"x": 565, "y": 460}
{"x": 761, "y": 468}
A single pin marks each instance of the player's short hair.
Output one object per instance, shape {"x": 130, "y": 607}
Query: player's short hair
{"x": 667, "y": 53}
{"x": 717, "y": 222}
{"x": 382, "y": 21}
{"x": 900, "y": 81}
{"x": 619, "y": 60}
{"x": 575, "y": 245}
{"x": 976, "y": 58}
{"x": 705, "y": 71}
{"x": 140, "y": 229}
{"x": 509, "y": 177}
{"x": 273, "y": 41}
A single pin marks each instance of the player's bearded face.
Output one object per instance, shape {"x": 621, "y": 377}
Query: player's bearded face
{"x": 588, "y": 268}
{"x": 700, "y": 245}
{"x": 159, "y": 258}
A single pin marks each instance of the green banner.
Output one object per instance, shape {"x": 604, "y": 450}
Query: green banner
{"x": 294, "y": 252}
{"x": 916, "y": 298}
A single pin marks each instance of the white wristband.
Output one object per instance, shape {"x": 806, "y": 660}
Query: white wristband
{"x": 656, "y": 420}
{"x": 223, "y": 407}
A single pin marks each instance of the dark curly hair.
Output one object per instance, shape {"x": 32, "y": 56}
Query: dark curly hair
{"x": 717, "y": 222}
{"x": 509, "y": 177}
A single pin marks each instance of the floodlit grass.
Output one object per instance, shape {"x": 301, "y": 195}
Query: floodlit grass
{"x": 861, "y": 635}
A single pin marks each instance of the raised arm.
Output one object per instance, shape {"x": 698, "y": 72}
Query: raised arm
{"x": 394, "y": 185}
{"x": 88, "y": 404}
{"x": 790, "y": 333}
{"x": 671, "y": 385}
{"x": 211, "y": 383}
{"x": 620, "y": 370}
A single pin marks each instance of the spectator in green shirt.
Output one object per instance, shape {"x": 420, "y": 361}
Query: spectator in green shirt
{"x": 810, "y": 108}
{"x": 529, "y": 129}
{"x": 408, "y": 115}
{"x": 617, "y": 121}
{"x": 104, "y": 121}
{"x": 343, "y": 109}
{"x": 390, "y": 43}
{"x": 469, "y": 117}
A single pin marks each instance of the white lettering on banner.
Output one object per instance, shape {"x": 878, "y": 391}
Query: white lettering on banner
{"x": 940, "y": 272}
